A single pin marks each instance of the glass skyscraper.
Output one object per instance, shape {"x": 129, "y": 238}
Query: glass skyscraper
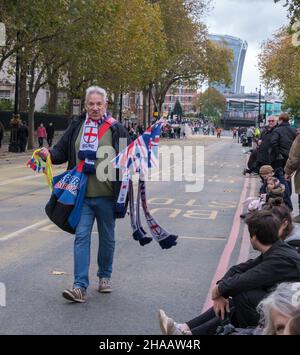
{"x": 239, "y": 48}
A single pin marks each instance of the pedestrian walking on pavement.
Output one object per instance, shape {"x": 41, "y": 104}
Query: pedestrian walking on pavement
{"x": 50, "y": 134}
{"x": 102, "y": 193}
{"x": 22, "y": 136}
{"x": 41, "y": 134}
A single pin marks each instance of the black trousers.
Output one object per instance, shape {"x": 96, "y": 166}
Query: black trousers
{"x": 41, "y": 141}
{"x": 244, "y": 314}
{"x": 22, "y": 144}
{"x": 49, "y": 141}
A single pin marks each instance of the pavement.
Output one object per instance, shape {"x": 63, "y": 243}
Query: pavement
{"x": 37, "y": 258}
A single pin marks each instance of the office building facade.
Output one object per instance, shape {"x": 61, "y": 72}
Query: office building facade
{"x": 239, "y": 48}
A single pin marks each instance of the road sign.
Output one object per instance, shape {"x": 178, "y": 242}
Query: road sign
{"x": 76, "y": 107}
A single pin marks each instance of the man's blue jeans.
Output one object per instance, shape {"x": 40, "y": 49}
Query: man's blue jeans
{"x": 101, "y": 208}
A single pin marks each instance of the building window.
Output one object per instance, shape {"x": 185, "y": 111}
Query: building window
{"x": 5, "y": 94}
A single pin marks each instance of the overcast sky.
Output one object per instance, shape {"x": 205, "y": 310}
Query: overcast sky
{"x": 250, "y": 20}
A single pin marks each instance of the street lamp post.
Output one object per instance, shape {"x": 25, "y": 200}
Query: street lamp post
{"x": 259, "y": 103}
{"x": 149, "y": 105}
{"x": 15, "y": 121}
{"x": 265, "y": 112}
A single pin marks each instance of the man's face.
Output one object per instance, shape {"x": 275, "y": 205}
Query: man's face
{"x": 253, "y": 242}
{"x": 272, "y": 122}
{"x": 270, "y": 185}
{"x": 95, "y": 106}
{"x": 266, "y": 176}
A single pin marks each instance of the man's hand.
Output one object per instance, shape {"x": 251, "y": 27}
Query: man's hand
{"x": 221, "y": 306}
{"x": 43, "y": 153}
{"x": 215, "y": 293}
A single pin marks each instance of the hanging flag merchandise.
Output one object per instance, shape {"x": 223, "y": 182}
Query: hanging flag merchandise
{"x": 139, "y": 156}
{"x": 37, "y": 164}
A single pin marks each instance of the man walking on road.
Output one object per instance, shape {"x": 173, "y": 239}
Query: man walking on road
{"x": 50, "y": 134}
{"x": 101, "y": 194}
{"x": 23, "y": 136}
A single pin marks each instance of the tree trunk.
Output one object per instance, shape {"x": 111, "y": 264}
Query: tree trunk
{"x": 116, "y": 104}
{"x": 70, "y": 106}
{"x": 31, "y": 135}
{"x": 23, "y": 87}
{"x": 53, "y": 87}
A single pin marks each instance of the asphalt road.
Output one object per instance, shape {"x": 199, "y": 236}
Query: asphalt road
{"x": 145, "y": 279}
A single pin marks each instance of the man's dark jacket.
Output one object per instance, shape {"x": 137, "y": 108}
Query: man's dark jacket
{"x": 64, "y": 150}
{"x": 280, "y": 263}
{"x": 263, "y": 154}
{"x": 282, "y": 139}
{"x": 50, "y": 131}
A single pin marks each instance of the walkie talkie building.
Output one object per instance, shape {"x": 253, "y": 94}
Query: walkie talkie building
{"x": 239, "y": 48}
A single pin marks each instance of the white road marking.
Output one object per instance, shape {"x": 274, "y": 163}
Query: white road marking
{"x": 12, "y": 181}
{"x": 23, "y": 230}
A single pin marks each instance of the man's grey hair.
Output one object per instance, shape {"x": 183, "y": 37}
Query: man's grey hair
{"x": 95, "y": 90}
{"x": 280, "y": 300}
{"x": 274, "y": 117}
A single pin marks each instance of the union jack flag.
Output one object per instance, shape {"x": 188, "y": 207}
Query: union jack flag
{"x": 142, "y": 153}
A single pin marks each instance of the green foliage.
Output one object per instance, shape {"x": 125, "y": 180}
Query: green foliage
{"x": 44, "y": 109}
{"x": 6, "y": 105}
{"x": 293, "y": 7}
{"x": 190, "y": 55}
{"x": 211, "y": 103}
{"x": 279, "y": 64}
{"x": 177, "y": 108}
{"x": 62, "y": 107}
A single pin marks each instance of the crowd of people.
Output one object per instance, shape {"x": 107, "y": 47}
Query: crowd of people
{"x": 23, "y": 133}
{"x": 261, "y": 295}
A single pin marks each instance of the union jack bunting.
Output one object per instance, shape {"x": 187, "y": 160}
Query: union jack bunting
{"x": 142, "y": 153}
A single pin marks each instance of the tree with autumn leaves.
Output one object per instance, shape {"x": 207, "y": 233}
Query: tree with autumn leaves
{"x": 118, "y": 44}
{"x": 279, "y": 61}
{"x": 211, "y": 103}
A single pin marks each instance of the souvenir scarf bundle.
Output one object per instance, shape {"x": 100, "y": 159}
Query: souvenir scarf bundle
{"x": 37, "y": 164}
{"x": 139, "y": 156}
